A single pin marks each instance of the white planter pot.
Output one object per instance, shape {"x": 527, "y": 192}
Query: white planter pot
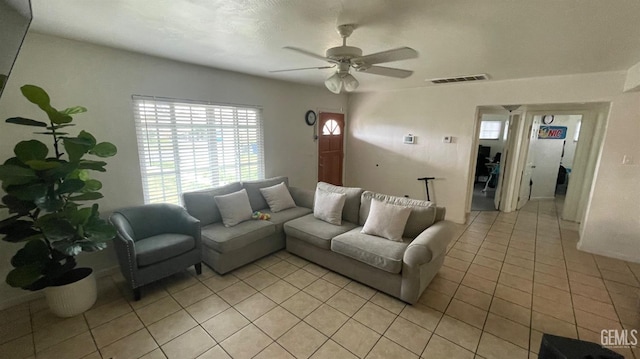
{"x": 74, "y": 298}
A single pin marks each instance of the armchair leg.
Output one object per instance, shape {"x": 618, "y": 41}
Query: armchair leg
{"x": 136, "y": 293}
{"x": 198, "y": 267}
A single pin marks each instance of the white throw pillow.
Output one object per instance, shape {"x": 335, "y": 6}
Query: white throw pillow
{"x": 278, "y": 197}
{"x": 234, "y": 207}
{"x": 328, "y": 206}
{"x": 386, "y": 220}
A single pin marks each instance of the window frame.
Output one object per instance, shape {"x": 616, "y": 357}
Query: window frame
{"x": 483, "y": 132}
{"x": 183, "y": 123}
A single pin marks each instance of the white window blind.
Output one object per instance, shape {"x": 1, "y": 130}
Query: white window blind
{"x": 490, "y": 130}
{"x": 186, "y": 146}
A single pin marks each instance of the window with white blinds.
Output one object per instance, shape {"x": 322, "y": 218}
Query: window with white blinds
{"x": 490, "y": 130}
{"x": 186, "y": 146}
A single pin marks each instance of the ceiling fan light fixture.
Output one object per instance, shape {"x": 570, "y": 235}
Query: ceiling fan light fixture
{"x": 350, "y": 83}
{"x": 334, "y": 83}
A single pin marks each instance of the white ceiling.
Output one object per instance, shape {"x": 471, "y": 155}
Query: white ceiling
{"x": 506, "y": 39}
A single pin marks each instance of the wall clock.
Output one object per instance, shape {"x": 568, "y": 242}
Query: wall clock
{"x": 547, "y": 119}
{"x": 310, "y": 118}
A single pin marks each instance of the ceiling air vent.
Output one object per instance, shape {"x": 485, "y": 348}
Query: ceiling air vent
{"x": 466, "y": 78}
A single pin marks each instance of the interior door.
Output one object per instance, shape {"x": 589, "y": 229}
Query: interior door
{"x": 548, "y": 154}
{"x": 525, "y": 184}
{"x": 330, "y": 147}
{"x": 503, "y": 169}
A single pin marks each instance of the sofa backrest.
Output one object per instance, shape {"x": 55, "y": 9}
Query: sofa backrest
{"x": 200, "y": 204}
{"x": 256, "y": 199}
{"x": 423, "y": 213}
{"x": 351, "y": 208}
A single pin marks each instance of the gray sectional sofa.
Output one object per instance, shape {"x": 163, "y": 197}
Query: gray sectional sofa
{"x": 400, "y": 269}
{"x": 227, "y": 248}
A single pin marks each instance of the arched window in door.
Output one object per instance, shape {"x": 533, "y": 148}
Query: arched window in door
{"x": 331, "y": 128}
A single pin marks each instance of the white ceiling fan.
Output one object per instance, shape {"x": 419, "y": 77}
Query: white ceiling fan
{"x": 346, "y": 57}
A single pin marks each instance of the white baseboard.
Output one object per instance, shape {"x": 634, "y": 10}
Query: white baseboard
{"x": 615, "y": 255}
{"x": 29, "y": 296}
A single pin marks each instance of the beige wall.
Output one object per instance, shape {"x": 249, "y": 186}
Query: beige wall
{"x": 377, "y": 121}
{"x": 103, "y": 80}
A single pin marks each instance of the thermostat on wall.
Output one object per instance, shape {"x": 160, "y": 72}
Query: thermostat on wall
{"x": 409, "y": 139}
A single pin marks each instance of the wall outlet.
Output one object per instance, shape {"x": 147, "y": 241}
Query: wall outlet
{"x": 627, "y": 160}
{"x": 446, "y": 139}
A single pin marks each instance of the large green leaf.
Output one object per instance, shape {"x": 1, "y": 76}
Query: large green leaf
{"x": 28, "y": 192}
{"x": 89, "y": 196}
{"x": 17, "y": 205}
{"x": 87, "y": 136}
{"x": 56, "y": 117}
{"x": 40, "y": 165}
{"x": 91, "y": 185}
{"x": 63, "y": 171}
{"x": 31, "y": 150}
{"x": 57, "y": 127}
{"x": 76, "y": 148}
{"x": 18, "y": 230}
{"x": 91, "y": 246}
{"x": 57, "y": 229}
{"x": 92, "y": 165}
{"x": 36, "y": 95}
{"x": 49, "y": 204}
{"x": 15, "y": 175}
{"x": 25, "y": 122}
{"x": 104, "y": 149}
{"x": 70, "y": 186}
{"x": 22, "y": 277}
{"x": 74, "y": 110}
{"x": 35, "y": 251}
{"x": 79, "y": 216}
{"x": 99, "y": 231}
{"x": 69, "y": 248}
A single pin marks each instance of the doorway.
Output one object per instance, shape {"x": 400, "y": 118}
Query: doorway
{"x": 330, "y": 147}
{"x": 552, "y": 146}
{"x": 492, "y": 152}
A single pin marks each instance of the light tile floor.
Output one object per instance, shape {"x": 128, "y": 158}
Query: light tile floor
{"x": 507, "y": 279}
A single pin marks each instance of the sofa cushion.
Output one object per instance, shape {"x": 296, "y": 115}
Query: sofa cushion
{"x": 234, "y": 207}
{"x": 253, "y": 191}
{"x": 226, "y": 239}
{"x": 386, "y": 220}
{"x": 162, "y": 247}
{"x": 351, "y": 203}
{"x": 314, "y": 231}
{"x": 374, "y": 251}
{"x": 423, "y": 213}
{"x": 278, "y": 197}
{"x": 328, "y": 206}
{"x": 200, "y": 204}
{"x": 279, "y": 218}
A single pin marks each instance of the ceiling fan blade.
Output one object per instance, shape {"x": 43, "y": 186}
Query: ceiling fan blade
{"x": 402, "y": 53}
{"x": 305, "y": 68}
{"x": 308, "y": 53}
{"x": 387, "y": 71}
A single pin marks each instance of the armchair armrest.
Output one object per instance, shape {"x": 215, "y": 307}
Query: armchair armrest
{"x": 125, "y": 247}
{"x": 429, "y": 244}
{"x": 302, "y": 197}
{"x": 191, "y": 226}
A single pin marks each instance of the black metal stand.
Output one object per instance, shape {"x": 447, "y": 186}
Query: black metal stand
{"x": 426, "y": 183}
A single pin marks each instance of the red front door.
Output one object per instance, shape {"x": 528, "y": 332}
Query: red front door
{"x": 330, "y": 147}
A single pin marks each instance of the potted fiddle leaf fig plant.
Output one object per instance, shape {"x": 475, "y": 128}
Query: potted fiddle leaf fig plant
{"x": 48, "y": 198}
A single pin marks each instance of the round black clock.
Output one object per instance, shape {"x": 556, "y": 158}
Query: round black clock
{"x": 310, "y": 118}
{"x": 547, "y": 119}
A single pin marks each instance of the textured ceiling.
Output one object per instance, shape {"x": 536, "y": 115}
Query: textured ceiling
{"x": 506, "y": 39}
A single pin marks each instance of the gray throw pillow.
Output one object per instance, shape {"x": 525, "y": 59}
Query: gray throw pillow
{"x": 234, "y": 207}
{"x": 328, "y": 206}
{"x": 278, "y": 197}
{"x": 386, "y": 220}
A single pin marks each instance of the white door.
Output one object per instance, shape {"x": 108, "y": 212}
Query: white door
{"x": 525, "y": 184}
{"x": 502, "y": 173}
{"x": 548, "y": 154}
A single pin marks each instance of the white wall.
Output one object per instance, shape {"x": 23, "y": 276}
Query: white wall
{"x": 612, "y": 224}
{"x": 103, "y": 80}
{"x": 379, "y": 119}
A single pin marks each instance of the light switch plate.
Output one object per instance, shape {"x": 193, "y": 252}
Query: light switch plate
{"x": 446, "y": 139}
